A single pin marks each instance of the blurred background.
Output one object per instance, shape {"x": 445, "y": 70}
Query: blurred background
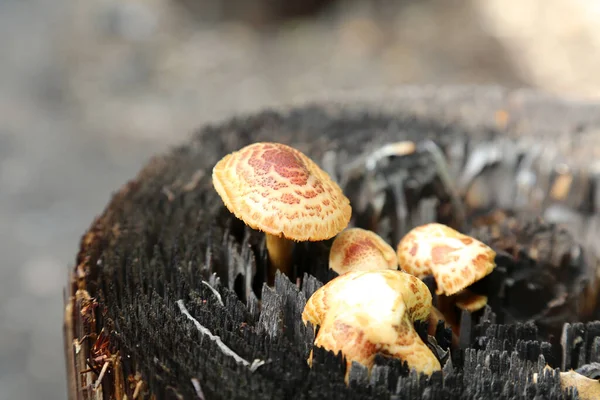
{"x": 89, "y": 90}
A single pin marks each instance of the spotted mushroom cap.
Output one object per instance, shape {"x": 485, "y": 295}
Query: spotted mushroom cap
{"x": 357, "y": 249}
{"x": 455, "y": 260}
{"x": 365, "y": 313}
{"x": 276, "y": 189}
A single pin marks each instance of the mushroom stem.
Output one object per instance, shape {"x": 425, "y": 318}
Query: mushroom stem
{"x": 435, "y": 316}
{"x": 449, "y": 306}
{"x": 280, "y": 256}
{"x": 446, "y": 308}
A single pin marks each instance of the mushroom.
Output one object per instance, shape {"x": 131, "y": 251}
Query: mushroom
{"x": 587, "y": 388}
{"x": 357, "y": 249}
{"x": 278, "y": 190}
{"x": 455, "y": 260}
{"x": 365, "y": 313}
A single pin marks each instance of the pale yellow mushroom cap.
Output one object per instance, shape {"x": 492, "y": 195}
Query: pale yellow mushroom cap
{"x": 365, "y": 313}
{"x": 455, "y": 260}
{"x": 276, "y": 189}
{"x": 357, "y": 249}
{"x": 587, "y": 388}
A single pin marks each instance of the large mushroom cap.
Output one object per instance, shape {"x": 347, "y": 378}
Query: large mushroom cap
{"x": 357, "y": 249}
{"x": 363, "y": 313}
{"x": 276, "y": 189}
{"x": 455, "y": 260}
{"x": 372, "y": 291}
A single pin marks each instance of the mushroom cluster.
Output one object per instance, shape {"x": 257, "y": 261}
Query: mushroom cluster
{"x": 370, "y": 307}
{"x": 454, "y": 259}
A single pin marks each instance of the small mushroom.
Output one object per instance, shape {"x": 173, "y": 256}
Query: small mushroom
{"x": 587, "y": 388}
{"x": 278, "y": 190}
{"x": 365, "y": 313}
{"x": 357, "y": 249}
{"x": 455, "y": 260}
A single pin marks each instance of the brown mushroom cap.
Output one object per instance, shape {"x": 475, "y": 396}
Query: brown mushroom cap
{"x": 276, "y": 189}
{"x": 455, "y": 260}
{"x": 363, "y": 313}
{"x": 357, "y": 249}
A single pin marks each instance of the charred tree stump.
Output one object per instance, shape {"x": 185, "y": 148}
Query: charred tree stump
{"x": 167, "y": 301}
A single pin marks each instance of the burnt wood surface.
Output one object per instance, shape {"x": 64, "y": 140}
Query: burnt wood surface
{"x": 152, "y": 252}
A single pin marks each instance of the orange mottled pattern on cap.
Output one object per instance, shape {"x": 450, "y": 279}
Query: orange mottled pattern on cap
{"x": 455, "y": 260}
{"x": 357, "y": 249}
{"x": 365, "y": 313}
{"x": 276, "y": 189}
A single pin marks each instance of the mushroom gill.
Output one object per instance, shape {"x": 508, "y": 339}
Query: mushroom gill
{"x": 357, "y": 249}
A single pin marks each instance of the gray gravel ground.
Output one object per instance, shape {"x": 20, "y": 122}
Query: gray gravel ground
{"x": 54, "y": 178}
{"x": 89, "y": 90}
